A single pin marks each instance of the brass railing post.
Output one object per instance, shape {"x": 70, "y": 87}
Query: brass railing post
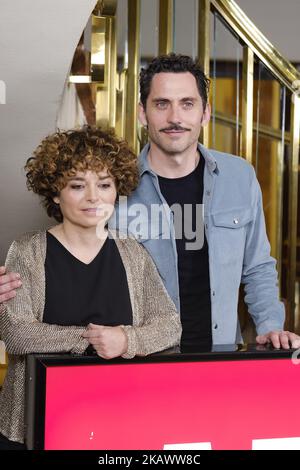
{"x": 247, "y": 103}
{"x": 121, "y": 103}
{"x": 279, "y": 208}
{"x": 293, "y": 207}
{"x": 113, "y": 73}
{"x": 166, "y": 29}
{"x": 104, "y": 24}
{"x": 134, "y": 8}
{"x": 204, "y": 49}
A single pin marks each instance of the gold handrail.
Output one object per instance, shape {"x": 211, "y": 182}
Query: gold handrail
{"x": 261, "y": 46}
{"x": 263, "y": 129}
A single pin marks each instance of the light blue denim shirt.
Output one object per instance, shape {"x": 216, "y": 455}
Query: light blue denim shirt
{"x": 239, "y": 251}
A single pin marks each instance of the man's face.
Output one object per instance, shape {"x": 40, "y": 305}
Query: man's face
{"x": 174, "y": 112}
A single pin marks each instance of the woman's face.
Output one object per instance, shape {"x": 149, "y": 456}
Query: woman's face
{"x": 88, "y": 198}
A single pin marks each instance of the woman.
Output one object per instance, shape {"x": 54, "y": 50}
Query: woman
{"x": 82, "y": 286}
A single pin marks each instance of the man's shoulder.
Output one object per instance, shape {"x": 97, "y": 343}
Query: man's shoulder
{"x": 230, "y": 161}
{"x": 233, "y": 168}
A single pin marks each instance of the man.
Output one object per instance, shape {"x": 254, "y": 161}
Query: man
{"x": 178, "y": 175}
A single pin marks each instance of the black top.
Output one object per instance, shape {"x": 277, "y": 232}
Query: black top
{"x": 79, "y": 293}
{"x": 193, "y": 267}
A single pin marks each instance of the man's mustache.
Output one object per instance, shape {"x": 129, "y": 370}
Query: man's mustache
{"x": 174, "y": 128}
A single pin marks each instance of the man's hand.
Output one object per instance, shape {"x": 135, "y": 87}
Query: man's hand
{"x": 108, "y": 341}
{"x": 280, "y": 339}
{"x": 8, "y": 282}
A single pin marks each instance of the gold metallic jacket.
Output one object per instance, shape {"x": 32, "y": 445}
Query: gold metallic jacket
{"x": 156, "y": 323}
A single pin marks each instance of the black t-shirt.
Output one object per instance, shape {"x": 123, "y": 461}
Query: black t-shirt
{"x": 193, "y": 265}
{"x": 79, "y": 293}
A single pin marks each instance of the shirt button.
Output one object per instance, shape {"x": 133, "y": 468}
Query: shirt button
{"x": 235, "y": 221}
{"x": 213, "y": 293}
{"x": 215, "y": 326}
{"x": 207, "y": 193}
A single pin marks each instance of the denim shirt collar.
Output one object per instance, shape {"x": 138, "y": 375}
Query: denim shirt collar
{"x": 210, "y": 161}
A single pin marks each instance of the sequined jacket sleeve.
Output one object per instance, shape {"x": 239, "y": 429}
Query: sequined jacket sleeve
{"x": 21, "y": 326}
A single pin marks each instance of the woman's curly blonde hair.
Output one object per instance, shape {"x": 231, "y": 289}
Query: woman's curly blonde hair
{"x": 60, "y": 155}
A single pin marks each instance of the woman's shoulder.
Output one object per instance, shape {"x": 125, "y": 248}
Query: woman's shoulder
{"x": 29, "y": 238}
{"x": 28, "y": 243}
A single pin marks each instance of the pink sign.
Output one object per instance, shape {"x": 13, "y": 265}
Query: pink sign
{"x": 148, "y": 406}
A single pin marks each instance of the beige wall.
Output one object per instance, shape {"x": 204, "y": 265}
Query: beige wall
{"x": 279, "y": 22}
{"x": 37, "y": 42}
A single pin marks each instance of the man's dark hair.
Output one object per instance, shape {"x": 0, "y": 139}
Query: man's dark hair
{"x": 174, "y": 63}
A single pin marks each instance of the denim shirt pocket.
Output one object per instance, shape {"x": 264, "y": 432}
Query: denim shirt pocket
{"x": 234, "y": 218}
{"x": 229, "y": 234}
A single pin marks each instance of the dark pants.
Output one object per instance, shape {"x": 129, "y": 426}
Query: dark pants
{"x": 6, "y": 444}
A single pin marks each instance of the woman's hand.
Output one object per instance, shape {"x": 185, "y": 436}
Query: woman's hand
{"x": 108, "y": 341}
